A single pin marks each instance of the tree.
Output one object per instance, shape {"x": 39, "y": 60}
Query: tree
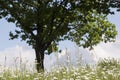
{"x": 43, "y": 23}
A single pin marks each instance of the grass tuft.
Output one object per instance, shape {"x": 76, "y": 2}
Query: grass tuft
{"x": 106, "y": 69}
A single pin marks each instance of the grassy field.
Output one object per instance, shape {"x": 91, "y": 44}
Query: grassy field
{"x": 106, "y": 69}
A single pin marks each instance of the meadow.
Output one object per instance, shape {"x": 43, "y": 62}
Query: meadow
{"x": 105, "y": 69}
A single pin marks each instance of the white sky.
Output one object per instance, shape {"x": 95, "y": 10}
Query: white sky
{"x": 14, "y": 48}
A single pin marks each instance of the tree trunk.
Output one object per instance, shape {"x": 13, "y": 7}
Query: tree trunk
{"x": 39, "y": 58}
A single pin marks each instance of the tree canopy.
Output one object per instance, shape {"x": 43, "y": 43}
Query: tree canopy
{"x": 43, "y": 23}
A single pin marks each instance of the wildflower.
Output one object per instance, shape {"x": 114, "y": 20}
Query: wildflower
{"x": 92, "y": 73}
{"x": 36, "y": 78}
{"x": 86, "y": 78}
{"x": 64, "y": 72}
{"x": 55, "y": 78}
{"x": 57, "y": 71}
{"x": 103, "y": 72}
{"x": 63, "y": 79}
{"x": 97, "y": 79}
{"x": 78, "y": 77}
{"x": 27, "y": 75}
{"x": 105, "y": 77}
{"x": 71, "y": 78}
{"x": 39, "y": 74}
{"x": 75, "y": 73}
{"x": 14, "y": 76}
{"x": 1, "y": 76}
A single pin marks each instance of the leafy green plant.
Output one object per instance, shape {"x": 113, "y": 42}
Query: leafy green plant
{"x": 109, "y": 63}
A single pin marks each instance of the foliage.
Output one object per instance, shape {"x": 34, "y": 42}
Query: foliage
{"x": 50, "y": 21}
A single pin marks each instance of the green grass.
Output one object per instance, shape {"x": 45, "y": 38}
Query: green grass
{"x": 106, "y": 69}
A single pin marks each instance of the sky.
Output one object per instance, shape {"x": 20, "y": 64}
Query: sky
{"x": 14, "y": 50}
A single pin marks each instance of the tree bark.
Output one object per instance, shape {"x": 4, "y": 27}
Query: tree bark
{"x": 39, "y": 58}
